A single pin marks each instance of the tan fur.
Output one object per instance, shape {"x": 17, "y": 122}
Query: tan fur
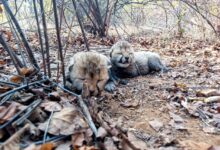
{"x": 89, "y": 67}
{"x": 127, "y": 63}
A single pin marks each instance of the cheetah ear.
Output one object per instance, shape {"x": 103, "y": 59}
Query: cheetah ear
{"x": 70, "y": 68}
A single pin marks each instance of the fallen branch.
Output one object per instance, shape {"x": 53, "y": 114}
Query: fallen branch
{"x": 6, "y": 98}
{"x": 8, "y": 83}
{"x": 21, "y": 87}
{"x": 29, "y": 111}
{"x": 47, "y": 128}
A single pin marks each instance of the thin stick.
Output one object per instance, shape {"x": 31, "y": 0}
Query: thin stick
{"x": 8, "y": 83}
{"x": 80, "y": 24}
{"x": 11, "y": 54}
{"x": 47, "y": 128}
{"x": 15, "y": 37}
{"x": 27, "y": 46}
{"x": 45, "y": 37}
{"x": 52, "y": 139}
{"x": 5, "y": 99}
{"x": 20, "y": 88}
{"x": 59, "y": 41}
{"x": 27, "y": 113}
{"x": 87, "y": 14}
{"x": 40, "y": 37}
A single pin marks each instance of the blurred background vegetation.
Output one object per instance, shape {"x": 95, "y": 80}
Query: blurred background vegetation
{"x": 167, "y": 18}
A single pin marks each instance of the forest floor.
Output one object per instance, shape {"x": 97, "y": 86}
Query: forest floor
{"x": 175, "y": 110}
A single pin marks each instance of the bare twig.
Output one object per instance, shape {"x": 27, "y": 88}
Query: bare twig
{"x": 47, "y": 128}
{"x": 40, "y": 37}
{"x": 45, "y": 37}
{"x": 59, "y": 41}
{"x": 15, "y": 37}
{"x": 8, "y": 83}
{"x": 87, "y": 14}
{"x": 20, "y": 113}
{"x": 80, "y": 24}
{"x": 196, "y": 9}
{"x": 21, "y": 87}
{"x": 54, "y": 139}
{"x": 10, "y": 52}
{"x": 28, "y": 112}
{"x": 6, "y": 98}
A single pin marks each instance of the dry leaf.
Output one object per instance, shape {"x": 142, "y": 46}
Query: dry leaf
{"x": 54, "y": 96}
{"x": 101, "y": 132}
{"x": 176, "y": 118}
{"x": 4, "y": 89}
{"x": 26, "y": 71}
{"x": 2, "y": 62}
{"x": 78, "y": 139}
{"x": 87, "y": 148}
{"x": 16, "y": 79}
{"x": 136, "y": 142}
{"x": 64, "y": 145}
{"x": 65, "y": 122}
{"x": 208, "y": 93}
{"x": 25, "y": 97}
{"x": 156, "y": 124}
{"x": 130, "y": 103}
{"x": 181, "y": 86}
{"x": 32, "y": 147}
{"x": 46, "y": 146}
{"x": 81, "y": 137}
{"x": 177, "y": 126}
{"x": 212, "y": 99}
{"x": 7, "y": 112}
{"x": 7, "y": 35}
{"x": 109, "y": 144}
{"x": 194, "y": 145}
{"x": 51, "y": 106}
{"x": 209, "y": 129}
